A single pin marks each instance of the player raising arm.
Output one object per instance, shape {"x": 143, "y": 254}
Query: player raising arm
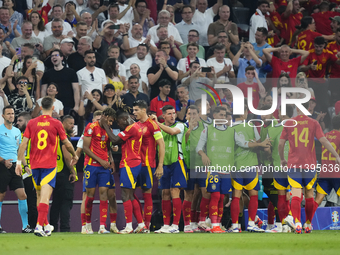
{"x": 300, "y": 133}
{"x": 43, "y": 132}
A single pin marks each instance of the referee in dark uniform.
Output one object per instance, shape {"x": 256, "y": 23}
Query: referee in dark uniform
{"x": 64, "y": 187}
{"x": 10, "y": 139}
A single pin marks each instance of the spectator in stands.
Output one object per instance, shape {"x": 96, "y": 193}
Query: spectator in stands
{"x": 136, "y": 39}
{"x": 165, "y": 46}
{"x": 57, "y": 12}
{"x": 144, "y": 17}
{"x": 186, "y": 24}
{"x": 14, "y": 15}
{"x": 235, "y": 3}
{"x": 67, "y": 82}
{"x": 183, "y": 102}
{"x": 133, "y": 94}
{"x": 66, "y": 48}
{"x": 335, "y": 23}
{"x": 184, "y": 63}
{"x": 284, "y": 64}
{"x": 318, "y": 116}
{"x": 143, "y": 81}
{"x": 222, "y": 39}
{"x": 81, "y": 30}
{"x": 76, "y": 59}
{"x": 4, "y": 61}
{"x": 52, "y": 91}
{"x": 92, "y": 27}
{"x": 115, "y": 16}
{"x": 226, "y": 25}
{"x": 203, "y": 17}
{"x": 7, "y": 81}
{"x": 194, "y": 81}
{"x": 162, "y": 99}
{"x": 52, "y": 41}
{"x": 94, "y": 102}
{"x": 323, "y": 19}
{"x": 335, "y": 70}
{"x": 28, "y": 38}
{"x": 41, "y": 8}
{"x": 38, "y": 26}
{"x": 223, "y": 66}
{"x": 12, "y": 28}
{"x": 193, "y": 37}
{"x": 96, "y": 11}
{"x": 162, "y": 34}
{"x": 110, "y": 68}
{"x": 171, "y": 10}
{"x": 164, "y": 20}
{"x": 91, "y": 77}
{"x": 3, "y": 103}
{"x": 249, "y": 59}
{"x": 162, "y": 71}
{"x": 111, "y": 98}
{"x": 114, "y": 52}
{"x": 290, "y": 19}
{"x": 71, "y": 15}
{"x": 301, "y": 81}
{"x": 260, "y": 44}
{"x": 140, "y": 59}
{"x": 21, "y": 100}
{"x": 128, "y": 12}
{"x": 258, "y": 19}
{"x": 107, "y": 37}
{"x": 29, "y": 70}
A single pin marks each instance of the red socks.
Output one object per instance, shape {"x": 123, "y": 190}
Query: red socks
{"x": 46, "y": 222}
{"x": 88, "y": 208}
{"x": 186, "y": 212}
{"x": 42, "y": 213}
{"x": 194, "y": 216}
{"x": 204, "y": 206}
{"x": 287, "y": 207}
{"x": 281, "y": 207}
{"x": 271, "y": 213}
{"x": 252, "y": 207}
{"x": 235, "y": 209}
{"x": 220, "y": 208}
{"x": 316, "y": 205}
{"x": 296, "y": 209}
{"x": 103, "y": 212}
{"x": 148, "y": 207}
{"x": 137, "y": 211}
{"x": 166, "y": 209}
{"x": 83, "y": 219}
{"x": 176, "y": 210}
{"x": 213, "y": 206}
{"x": 309, "y": 210}
{"x": 113, "y": 217}
{"x": 128, "y": 211}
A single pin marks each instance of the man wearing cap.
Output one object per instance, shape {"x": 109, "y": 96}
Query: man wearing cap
{"x": 108, "y": 36}
{"x": 323, "y": 19}
{"x": 66, "y": 47}
{"x": 26, "y": 37}
{"x": 335, "y": 24}
{"x": 66, "y": 79}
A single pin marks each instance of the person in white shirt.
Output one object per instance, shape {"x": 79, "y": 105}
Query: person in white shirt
{"x": 4, "y": 61}
{"x": 183, "y": 65}
{"x": 258, "y": 19}
{"x": 91, "y": 77}
{"x": 39, "y": 30}
{"x": 57, "y": 12}
{"x": 3, "y": 103}
{"x": 140, "y": 60}
{"x": 203, "y": 17}
{"x": 128, "y": 12}
{"x": 164, "y": 20}
{"x": 92, "y": 27}
{"x": 136, "y": 39}
{"x": 223, "y": 66}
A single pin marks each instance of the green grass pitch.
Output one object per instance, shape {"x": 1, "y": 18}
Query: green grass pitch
{"x": 318, "y": 242}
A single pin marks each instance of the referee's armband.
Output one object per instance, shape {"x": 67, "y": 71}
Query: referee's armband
{"x": 158, "y": 135}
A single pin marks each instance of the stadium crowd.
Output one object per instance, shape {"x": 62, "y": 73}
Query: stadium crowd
{"x": 162, "y": 57}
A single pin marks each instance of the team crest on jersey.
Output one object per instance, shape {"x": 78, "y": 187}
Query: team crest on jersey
{"x": 213, "y": 186}
{"x": 103, "y": 137}
{"x": 90, "y": 131}
{"x": 324, "y": 60}
{"x": 290, "y": 66}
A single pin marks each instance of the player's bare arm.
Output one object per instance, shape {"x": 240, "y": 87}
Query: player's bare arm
{"x": 112, "y": 165}
{"x": 79, "y": 151}
{"x": 113, "y": 138}
{"x": 330, "y": 148}
{"x": 166, "y": 129}
{"x": 161, "y": 153}
{"x": 281, "y": 151}
{"x": 21, "y": 154}
{"x": 70, "y": 149}
{"x": 68, "y": 159}
{"x": 87, "y": 150}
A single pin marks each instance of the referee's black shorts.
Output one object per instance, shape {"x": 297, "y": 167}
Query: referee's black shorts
{"x": 9, "y": 178}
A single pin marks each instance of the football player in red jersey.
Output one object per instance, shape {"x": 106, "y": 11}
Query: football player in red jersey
{"x": 152, "y": 136}
{"x": 300, "y": 133}
{"x": 129, "y": 168}
{"x": 43, "y": 132}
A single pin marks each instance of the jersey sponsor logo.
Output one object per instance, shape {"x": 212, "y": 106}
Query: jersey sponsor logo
{"x": 90, "y": 131}
{"x": 43, "y": 124}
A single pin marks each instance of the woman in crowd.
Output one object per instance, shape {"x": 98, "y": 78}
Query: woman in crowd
{"x": 111, "y": 98}
{"x": 93, "y": 103}
{"x": 38, "y": 25}
{"x": 111, "y": 69}
{"x": 143, "y": 81}
{"x": 52, "y": 91}
{"x": 29, "y": 70}
{"x": 302, "y": 82}
{"x": 14, "y": 15}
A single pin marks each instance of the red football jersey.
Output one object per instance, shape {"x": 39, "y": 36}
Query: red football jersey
{"x": 255, "y": 92}
{"x": 323, "y": 23}
{"x": 98, "y": 145}
{"x": 328, "y": 169}
{"x": 301, "y": 141}
{"x": 151, "y": 133}
{"x": 334, "y": 70}
{"x": 306, "y": 40}
{"x": 289, "y": 24}
{"x": 131, "y": 148}
{"x": 289, "y": 67}
{"x": 44, "y": 132}
{"x": 323, "y": 60}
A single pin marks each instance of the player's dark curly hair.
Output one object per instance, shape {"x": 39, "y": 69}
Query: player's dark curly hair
{"x": 336, "y": 122}
{"x": 109, "y": 112}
